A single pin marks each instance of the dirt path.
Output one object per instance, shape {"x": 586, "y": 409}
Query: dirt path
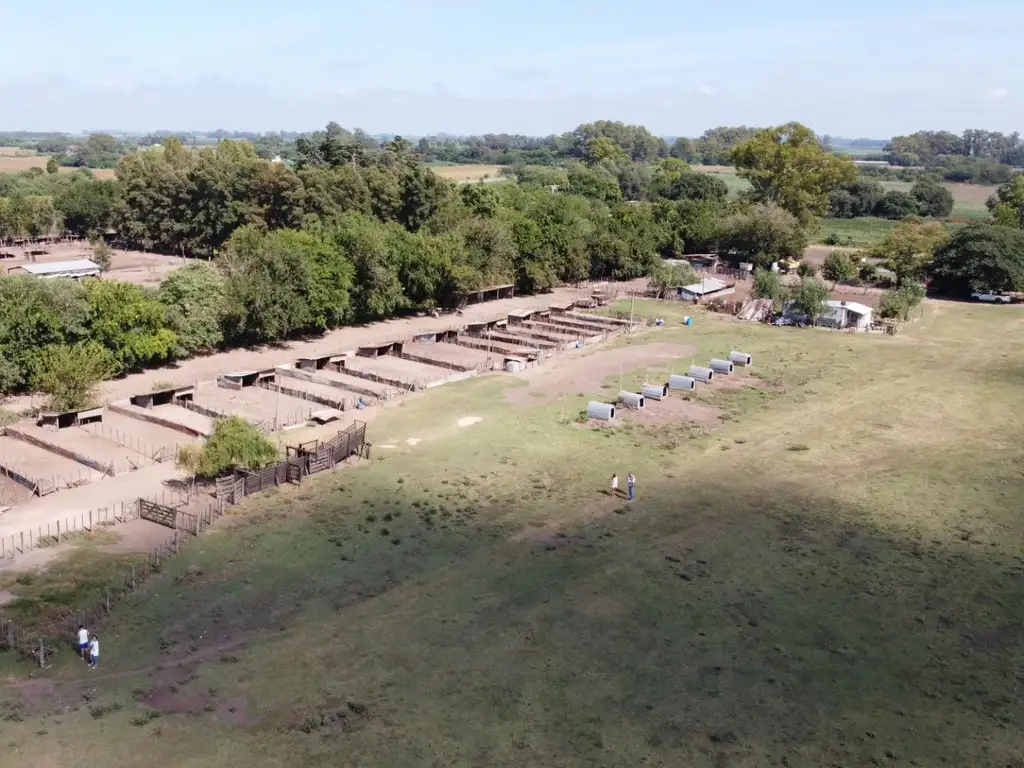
{"x": 586, "y": 372}
{"x": 208, "y": 368}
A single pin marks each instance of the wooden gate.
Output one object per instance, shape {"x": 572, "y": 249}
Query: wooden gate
{"x": 158, "y": 513}
{"x": 294, "y": 472}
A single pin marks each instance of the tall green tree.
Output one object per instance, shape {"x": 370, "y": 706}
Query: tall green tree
{"x": 762, "y": 234}
{"x": 130, "y": 323}
{"x": 787, "y": 166}
{"x": 838, "y": 267}
{"x": 907, "y": 249}
{"x": 979, "y": 257}
{"x": 808, "y": 297}
{"x": 70, "y": 375}
{"x": 933, "y": 199}
{"x": 1007, "y": 204}
{"x": 194, "y": 298}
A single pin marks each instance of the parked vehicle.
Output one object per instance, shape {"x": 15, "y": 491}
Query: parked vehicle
{"x": 992, "y": 297}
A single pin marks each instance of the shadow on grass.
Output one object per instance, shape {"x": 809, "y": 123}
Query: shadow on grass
{"x": 723, "y": 622}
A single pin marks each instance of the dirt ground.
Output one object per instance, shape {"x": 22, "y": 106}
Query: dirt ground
{"x": 16, "y": 160}
{"x": 146, "y": 437}
{"x": 12, "y": 493}
{"x": 677, "y": 408}
{"x": 583, "y": 372}
{"x": 89, "y": 445}
{"x": 444, "y": 352}
{"x": 392, "y": 367}
{"x": 137, "y": 536}
{"x": 255, "y": 403}
{"x": 38, "y": 463}
{"x": 138, "y": 267}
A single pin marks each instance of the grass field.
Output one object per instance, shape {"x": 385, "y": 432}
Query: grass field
{"x": 968, "y": 199}
{"x": 834, "y": 576}
{"x": 469, "y": 173}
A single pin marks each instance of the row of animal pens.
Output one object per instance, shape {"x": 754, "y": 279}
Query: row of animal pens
{"x": 696, "y": 374}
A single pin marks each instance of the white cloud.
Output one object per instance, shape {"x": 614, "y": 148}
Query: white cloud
{"x": 706, "y": 90}
{"x": 997, "y": 93}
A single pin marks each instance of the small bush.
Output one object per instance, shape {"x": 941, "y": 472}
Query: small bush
{"x": 100, "y": 711}
{"x": 145, "y": 718}
{"x": 798, "y": 447}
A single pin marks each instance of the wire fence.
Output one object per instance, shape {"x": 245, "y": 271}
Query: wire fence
{"x": 183, "y": 516}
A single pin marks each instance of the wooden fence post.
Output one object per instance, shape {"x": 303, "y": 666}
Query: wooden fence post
{"x": 107, "y": 592}
{"x": 133, "y": 578}
{"x": 42, "y": 654}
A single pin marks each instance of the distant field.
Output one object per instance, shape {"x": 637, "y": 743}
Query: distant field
{"x": 468, "y": 173}
{"x": 727, "y": 174}
{"x": 968, "y": 199}
{"x": 16, "y": 160}
{"x": 865, "y": 232}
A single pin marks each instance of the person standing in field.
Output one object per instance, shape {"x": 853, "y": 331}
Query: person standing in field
{"x": 615, "y": 485}
{"x": 94, "y": 652}
{"x": 631, "y": 481}
{"x": 83, "y": 642}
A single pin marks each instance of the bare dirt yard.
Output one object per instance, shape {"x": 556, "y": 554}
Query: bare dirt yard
{"x": 391, "y": 367}
{"x": 255, "y": 404}
{"x": 585, "y": 372}
{"x": 138, "y": 267}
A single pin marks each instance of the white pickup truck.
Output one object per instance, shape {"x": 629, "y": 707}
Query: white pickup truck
{"x": 992, "y": 297}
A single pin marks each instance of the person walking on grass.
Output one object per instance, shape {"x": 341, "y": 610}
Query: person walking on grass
{"x": 94, "y": 652}
{"x": 83, "y": 642}
{"x": 630, "y": 481}
{"x": 615, "y": 486}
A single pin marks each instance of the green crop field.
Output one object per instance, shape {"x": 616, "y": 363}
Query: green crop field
{"x": 824, "y": 566}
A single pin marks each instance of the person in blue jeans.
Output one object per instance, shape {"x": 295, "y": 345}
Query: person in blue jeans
{"x": 631, "y": 481}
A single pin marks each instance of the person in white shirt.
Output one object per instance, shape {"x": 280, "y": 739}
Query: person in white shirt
{"x": 94, "y": 652}
{"x": 630, "y": 481}
{"x": 615, "y": 485}
{"x": 83, "y": 641}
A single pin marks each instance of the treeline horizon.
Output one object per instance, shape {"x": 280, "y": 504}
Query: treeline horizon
{"x": 355, "y": 232}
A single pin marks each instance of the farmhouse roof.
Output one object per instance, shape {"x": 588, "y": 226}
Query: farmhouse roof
{"x": 852, "y": 306}
{"x": 77, "y": 266}
{"x": 706, "y": 285}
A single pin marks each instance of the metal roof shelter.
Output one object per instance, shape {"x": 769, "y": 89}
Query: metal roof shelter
{"x": 76, "y": 269}
{"x": 707, "y": 288}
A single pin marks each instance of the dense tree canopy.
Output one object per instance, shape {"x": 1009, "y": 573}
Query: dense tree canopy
{"x": 788, "y": 166}
{"x": 299, "y": 234}
{"x": 980, "y": 257}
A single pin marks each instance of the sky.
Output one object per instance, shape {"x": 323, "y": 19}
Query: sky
{"x": 872, "y": 68}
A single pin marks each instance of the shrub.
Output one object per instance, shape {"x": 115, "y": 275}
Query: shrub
{"x": 900, "y": 302}
{"x": 69, "y": 376}
{"x": 838, "y": 267}
{"x": 806, "y": 269}
{"x": 234, "y": 443}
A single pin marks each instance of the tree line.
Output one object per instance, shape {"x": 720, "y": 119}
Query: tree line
{"x": 352, "y": 231}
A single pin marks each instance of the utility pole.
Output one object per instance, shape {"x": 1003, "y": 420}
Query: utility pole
{"x": 632, "y": 298}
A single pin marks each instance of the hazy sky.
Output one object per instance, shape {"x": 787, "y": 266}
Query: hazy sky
{"x": 858, "y": 68}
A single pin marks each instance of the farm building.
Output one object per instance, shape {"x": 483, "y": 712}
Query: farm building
{"x": 75, "y": 270}
{"x": 707, "y": 288}
{"x": 846, "y": 314}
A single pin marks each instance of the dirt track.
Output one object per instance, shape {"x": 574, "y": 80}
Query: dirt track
{"x": 586, "y": 373}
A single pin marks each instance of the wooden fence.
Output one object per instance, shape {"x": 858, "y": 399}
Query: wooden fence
{"x": 187, "y": 525}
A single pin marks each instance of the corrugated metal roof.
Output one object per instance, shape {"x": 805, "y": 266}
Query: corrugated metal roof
{"x": 853, "y": 306}
{"x": 56, "y": 267}
{"x": 707, "y": 285}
